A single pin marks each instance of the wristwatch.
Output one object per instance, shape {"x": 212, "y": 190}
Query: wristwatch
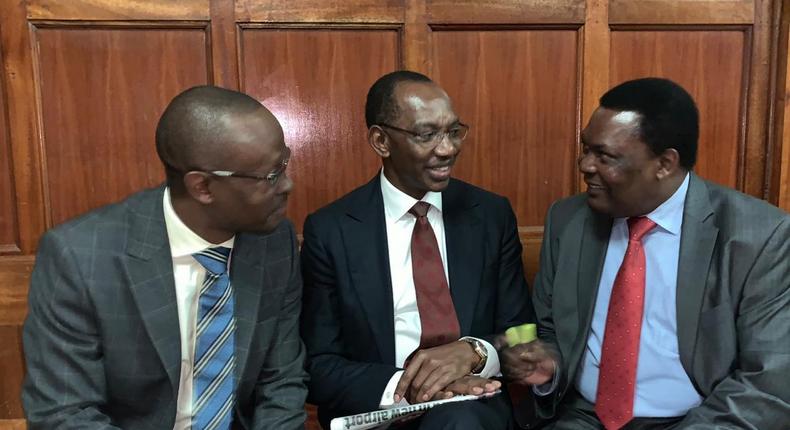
{"x": 480, "y": 350}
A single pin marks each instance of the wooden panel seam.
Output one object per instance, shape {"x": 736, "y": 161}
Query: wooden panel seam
{"x": 127, "y": 10}
{"x": 680, "y": 12}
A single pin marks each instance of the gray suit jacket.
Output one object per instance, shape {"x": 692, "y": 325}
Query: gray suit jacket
{"x": 102, "y": 342}
{"x": 733, "y": 301}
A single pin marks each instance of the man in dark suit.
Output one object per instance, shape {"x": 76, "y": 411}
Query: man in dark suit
{"x": 138, "y": 320}
{"x": 662, "y": 299}
{"x": 376, "y": 296}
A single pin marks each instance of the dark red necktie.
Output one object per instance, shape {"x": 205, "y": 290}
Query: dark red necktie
{"x": 614, "y": 402}
{"x": 437, "y": 313}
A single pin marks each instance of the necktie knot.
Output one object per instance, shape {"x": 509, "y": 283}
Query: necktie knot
{"x": 639, "y": 226}
{"x": 420, "y": 209}
{"x": 215, "y": 260}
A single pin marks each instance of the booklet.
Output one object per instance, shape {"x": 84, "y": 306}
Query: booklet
{"x": 384, "y": 418}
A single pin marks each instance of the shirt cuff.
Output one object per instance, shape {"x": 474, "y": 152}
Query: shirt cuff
{"x": 491, "y": 368}
{"x": 387, "y": 400}
{"x": 548, "y": 387}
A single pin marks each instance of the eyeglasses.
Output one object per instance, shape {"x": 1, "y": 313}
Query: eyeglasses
{"x": 271, "y": 178}
{"x": 457, "y": 133}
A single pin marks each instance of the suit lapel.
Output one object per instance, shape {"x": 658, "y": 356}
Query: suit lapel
{"x": 364, "y": 230}
{"x": 150, "y": 272}
{"x": 247, "y": 278}
{"x": 594, "y": 242}
{"x": 697, "y": 240}
{"x": 463, "y": 237}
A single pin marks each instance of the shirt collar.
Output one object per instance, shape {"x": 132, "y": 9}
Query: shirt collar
{"x": 397, "y": 203}
{"x": 184, "y": 241}
{"x": 669, "y": 215}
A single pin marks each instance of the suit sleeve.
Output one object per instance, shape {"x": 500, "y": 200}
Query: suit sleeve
{"x": 756, "y": 395}
{"x": 542, "y": 301}
{"x": 281, "y": 390}
{"x": 513, "y": 301}
{"x": 64, "y": 385}
{"x": 339, "y": 384}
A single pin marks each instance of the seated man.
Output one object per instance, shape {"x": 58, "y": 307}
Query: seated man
{"x": 179, "y": 306}
{"x": 662, "y": 299}
{"x": 413, "y": 270}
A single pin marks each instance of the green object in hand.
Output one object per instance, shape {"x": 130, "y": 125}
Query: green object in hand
{"x": 523, "y": 333}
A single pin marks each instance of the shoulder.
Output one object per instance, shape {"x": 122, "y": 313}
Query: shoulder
{"x": 360, "y": 198}
{"x": 736, "y": 211}
{"x": 108, "y": 225}
{"x": 463, "y": 193}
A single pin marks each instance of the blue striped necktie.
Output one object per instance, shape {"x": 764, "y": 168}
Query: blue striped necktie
{"x": 215, "y": 360}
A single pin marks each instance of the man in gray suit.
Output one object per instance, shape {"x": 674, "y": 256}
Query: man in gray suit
{"x": 179, "y": 306}
{"x": 662, "y": 299}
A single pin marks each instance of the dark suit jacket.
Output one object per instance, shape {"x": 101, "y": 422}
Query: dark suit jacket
{"x": 102, "y": 342}
{"x": 348, "y": 322}
{"x": 733, "y": 301}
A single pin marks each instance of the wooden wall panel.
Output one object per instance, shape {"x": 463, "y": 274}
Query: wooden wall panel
{"x": 518, "y": 91}
{"x": 118, "y": 10}
{"x": 12, "y": 371}
{"x": 315, "y": 82}
{"x": 14, "y": 276}
{"x": 102, "y": 92}
{"x": 9, "y": 230}
{"x": 710, "y": 65}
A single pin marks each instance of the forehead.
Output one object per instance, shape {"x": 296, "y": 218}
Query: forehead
{"x": 608, "y": 126}
{"x": 423, "y": 102}
{"x": 255, "y": 141}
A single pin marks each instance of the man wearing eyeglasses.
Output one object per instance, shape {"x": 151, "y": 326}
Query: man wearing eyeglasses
{"x": 179, "y": 306}
{"x": 408, "y": 277}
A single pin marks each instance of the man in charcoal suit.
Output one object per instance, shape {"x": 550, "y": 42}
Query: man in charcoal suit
{"x": 663, "y": 300}
{"x": 179, "y": 306}
{"x": 413, "y": 270}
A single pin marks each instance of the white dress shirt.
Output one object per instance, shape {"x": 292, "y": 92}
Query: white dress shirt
{"x": 189, "y": 275}
{"x": 663, "y": 389}
{"x": 400, "y": 223}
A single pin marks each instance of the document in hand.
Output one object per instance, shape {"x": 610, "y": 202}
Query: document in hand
{"x": 384, "y": 418}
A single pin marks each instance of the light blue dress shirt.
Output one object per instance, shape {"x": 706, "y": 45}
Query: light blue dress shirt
{"x": 663, "y": 389}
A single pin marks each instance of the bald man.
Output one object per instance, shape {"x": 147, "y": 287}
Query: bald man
{"x": 179, "y": 306}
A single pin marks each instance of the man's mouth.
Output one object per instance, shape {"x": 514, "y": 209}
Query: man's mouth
{"x": 440, "y": 173}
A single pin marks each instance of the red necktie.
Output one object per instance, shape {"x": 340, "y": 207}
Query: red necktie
{"x": 614, "y": 402}
{"x": 437, "y": 313}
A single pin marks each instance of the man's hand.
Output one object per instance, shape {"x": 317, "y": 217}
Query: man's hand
{"x": 471, "y": 384}
{"x": 430, "y": 370}
{"x": 530, "y": 363}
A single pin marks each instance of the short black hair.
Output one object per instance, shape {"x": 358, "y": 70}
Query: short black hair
{"x": 381, "y": 106}
{"x": 668, "y": 116}
{"x": 192, "y": 124}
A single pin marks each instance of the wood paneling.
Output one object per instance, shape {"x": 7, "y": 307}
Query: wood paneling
{"x": 23, "y": 123}
{"x": 191, "y": 10}
{"x": 102, "y": 92}
{"x": 518, "y": 91}
{"x": 710, "y": 66}
{"x": 676, "y": 12}
{"x": 9, "y": 233}
{"x": 506, "y": 11}
{"x": 11, "y": 371}
{"x": 315, "y": 82}
{"x": 332, "y": 11}
{"x": 14, "y": 278}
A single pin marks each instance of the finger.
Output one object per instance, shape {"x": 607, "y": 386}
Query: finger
{"x": 426, "y": 369}
{"x": 436, "y": 382}
{"x": 408, "y": 375}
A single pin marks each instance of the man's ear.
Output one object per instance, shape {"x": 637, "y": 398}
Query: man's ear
{"x": 379, "y": 141}
{"x": 668, "y": 163}
{"x": 197, "y": 185}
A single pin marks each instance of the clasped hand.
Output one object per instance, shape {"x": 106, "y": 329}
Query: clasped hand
{"x": 530, "y": 363}
{"x": 442, "y": 372}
